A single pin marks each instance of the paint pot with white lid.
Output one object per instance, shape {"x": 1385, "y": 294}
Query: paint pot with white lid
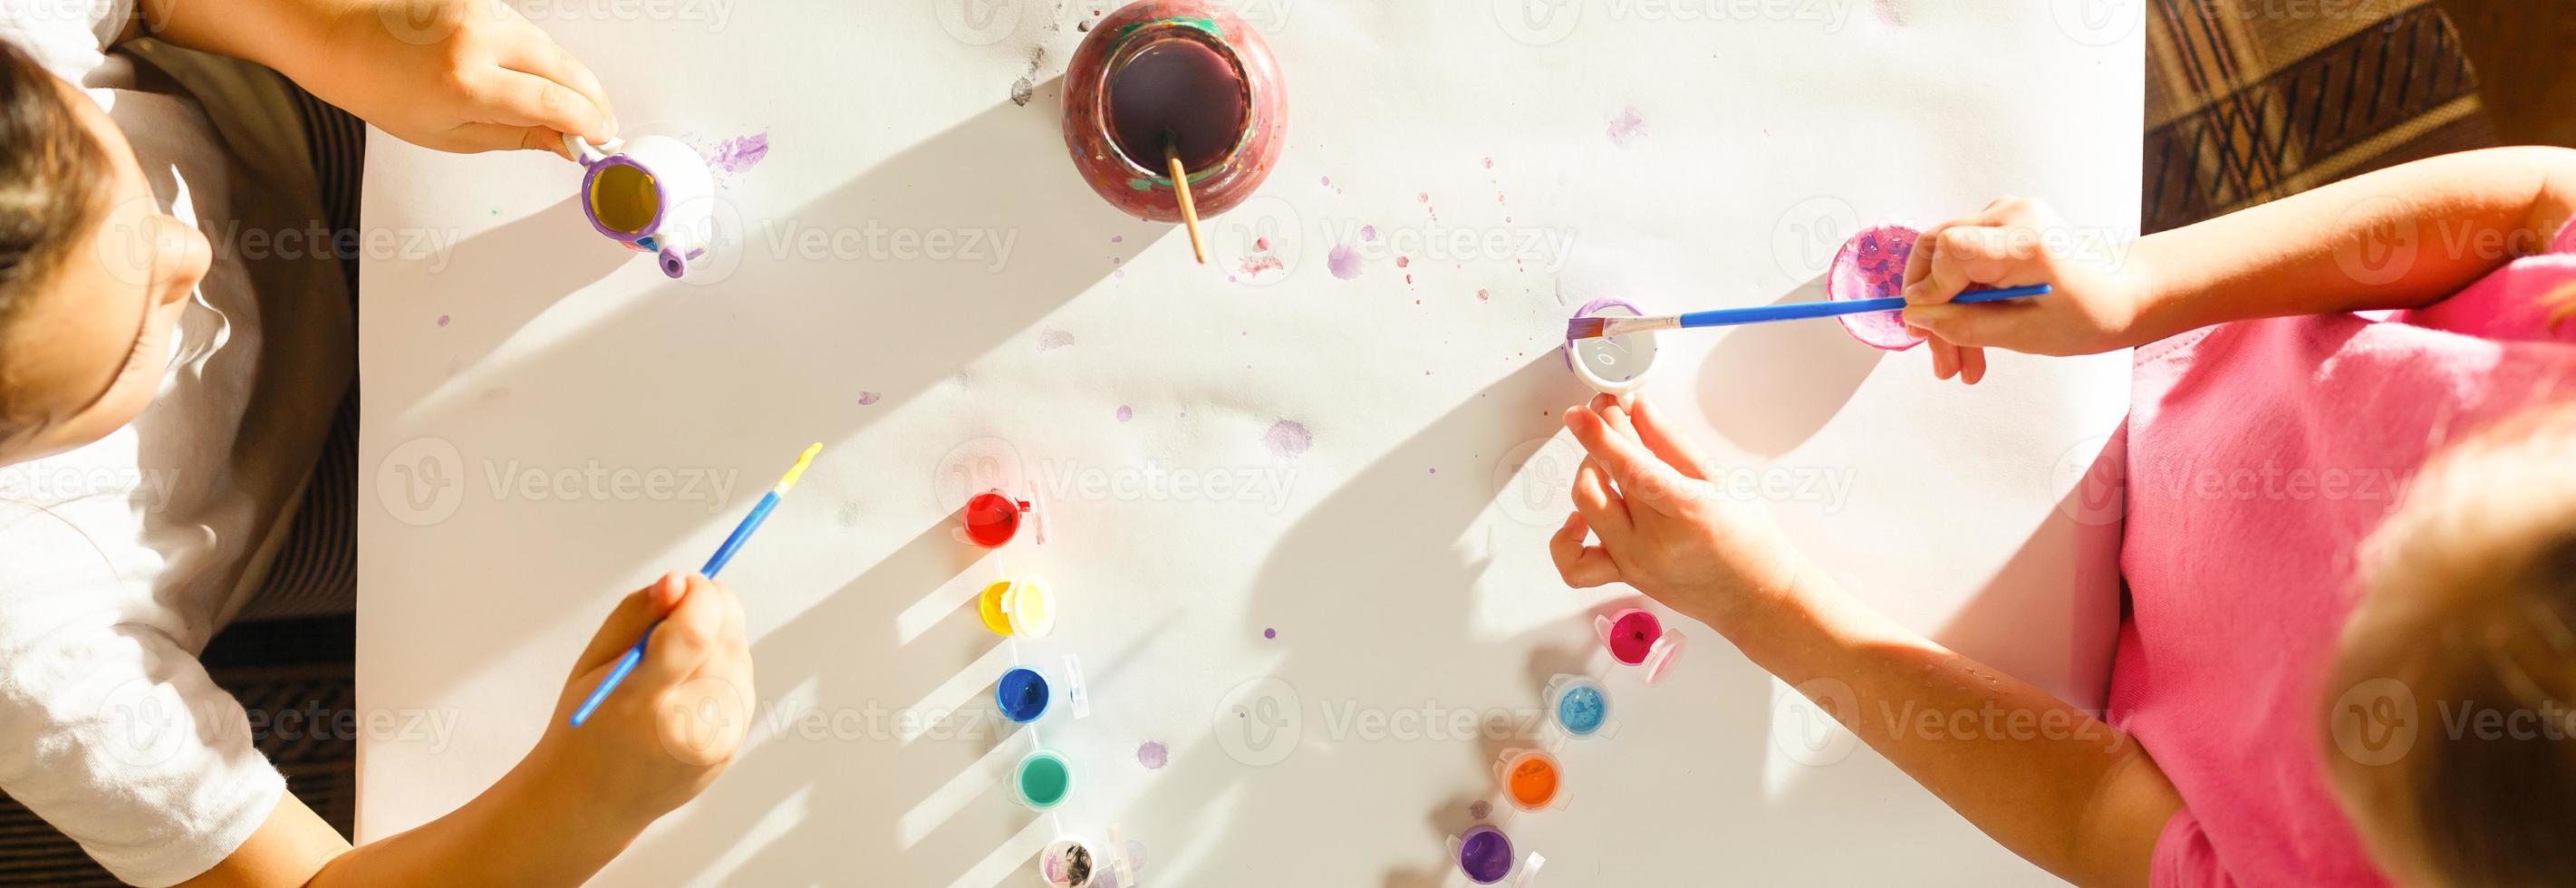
{"x": 1612, "y": 365}
{"x": 1484, "y": 856}
{"x": 1021, "y": 608}
{"x": 1579, "y": 706}
{"x": 1076, "y": 862}
{"x": 652, "y": 193}
{"x": 1636, "y": 637}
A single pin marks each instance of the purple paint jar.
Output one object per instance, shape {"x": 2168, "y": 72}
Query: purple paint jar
{"x": 1485, "y": 855}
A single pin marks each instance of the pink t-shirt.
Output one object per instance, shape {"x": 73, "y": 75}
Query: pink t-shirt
{"x": 2261, "y": 453}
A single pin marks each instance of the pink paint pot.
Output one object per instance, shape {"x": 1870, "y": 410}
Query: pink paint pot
{"x": 1637, "y": 637}
{"x": 1187, "y": 74}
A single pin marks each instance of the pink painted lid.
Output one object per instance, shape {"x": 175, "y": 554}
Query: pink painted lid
{"x": 1871, "y": 265}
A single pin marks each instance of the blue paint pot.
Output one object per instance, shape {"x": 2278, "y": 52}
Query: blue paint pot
{"x": 1022, "y": 694}
{"x": 1578, "y": 704}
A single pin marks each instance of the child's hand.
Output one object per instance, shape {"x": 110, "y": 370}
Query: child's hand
{"x": 676, "y": 722}
{"x": 2094, "y": 306}
{"x": 458, "y": 75}
{"x": 1664, "y": 528}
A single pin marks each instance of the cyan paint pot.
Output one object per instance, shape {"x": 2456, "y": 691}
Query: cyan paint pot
{"x": 1042, "y": 779}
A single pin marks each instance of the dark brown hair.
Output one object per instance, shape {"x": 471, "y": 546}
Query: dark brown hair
{"x": 54, "y": 182}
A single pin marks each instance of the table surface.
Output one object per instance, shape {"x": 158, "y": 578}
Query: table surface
{"x": 1358, "y": 452}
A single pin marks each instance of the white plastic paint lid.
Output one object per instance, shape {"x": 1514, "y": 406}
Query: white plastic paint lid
{"x": 1030, "y": 608}
{"x": 1612, "y": 365}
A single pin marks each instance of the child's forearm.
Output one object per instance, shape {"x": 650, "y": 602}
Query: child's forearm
{"x": 2048, "y": 781}
{"x": 290, "y": 36}
{"x": 2402, "y": 237}
{"x": 520, "y": 832}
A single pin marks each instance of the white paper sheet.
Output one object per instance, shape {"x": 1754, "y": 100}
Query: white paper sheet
{"x": 551, "y": 423}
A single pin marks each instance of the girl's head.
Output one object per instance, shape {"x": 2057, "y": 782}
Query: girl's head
{"x": 2449, "y": 732}
{"x": 92, "y": 273}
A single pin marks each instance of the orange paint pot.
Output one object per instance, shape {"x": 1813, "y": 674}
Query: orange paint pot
{"x": 1531, "y": 779}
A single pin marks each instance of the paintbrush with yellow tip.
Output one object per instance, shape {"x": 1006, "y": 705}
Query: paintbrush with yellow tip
{"x": 724, "y": 553}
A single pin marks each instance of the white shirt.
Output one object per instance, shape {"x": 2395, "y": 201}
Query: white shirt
{"x": 119, "y": 560}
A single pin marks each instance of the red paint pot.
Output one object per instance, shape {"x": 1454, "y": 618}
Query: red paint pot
{"x": 1638, "y": 638}
{"x": 1187, "y": 72}
{"x": 994, "y": 518}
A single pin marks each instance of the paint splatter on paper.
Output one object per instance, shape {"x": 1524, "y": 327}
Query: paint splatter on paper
{"x": 1288, "y": 437}
{"x": 442, "y": 320}
{"x": 1344, "y": 261}
{"x": 1270, "y": 633}
{"x": 1026, "y": 88}
{"x": 1050, "y": 340}
{"x": 741, "y": 153}
{"x": 1481, "y": 809}
{"x": 868, "y": 398}
{"x": 1126, "y": 413}
{"x": 1627, "y": 127}
{"x": 1153, "y": 756}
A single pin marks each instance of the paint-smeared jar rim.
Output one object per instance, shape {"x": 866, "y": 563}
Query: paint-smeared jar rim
{"x": 1145, "y": 39}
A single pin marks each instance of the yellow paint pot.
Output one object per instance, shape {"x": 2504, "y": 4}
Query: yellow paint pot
{"x": 1017, "y": 608}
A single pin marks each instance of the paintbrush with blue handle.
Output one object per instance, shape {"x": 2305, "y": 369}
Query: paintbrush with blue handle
{"x": 724, "y": 553}
{"x": 1587, "y": 328}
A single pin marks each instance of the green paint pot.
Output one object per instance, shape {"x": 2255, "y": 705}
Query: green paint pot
{"x": 1042, "y": 779}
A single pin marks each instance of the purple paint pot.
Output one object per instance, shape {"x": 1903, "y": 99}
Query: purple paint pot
{"x": 1484, "y": 854}
{"x": 1637, "y": 637}
{"x": 653, "y": 194}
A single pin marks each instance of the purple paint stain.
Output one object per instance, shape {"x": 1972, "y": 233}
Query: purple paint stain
{"x": 1626, "y": 127}
{"x": 1888, "y": 13}
{"x": 442, "y": 320}
{"x": 1344, "y": 261}
{"x": 1270, "y": 633}
{"x": 1153, "y": 756}
{"x": 867, "y": 398}
{"x": 1051, "y": 340}
{"x": 1368, "y": 232}
{"x": 1481, "y": 809}
{"x": 1117, "y": 238}
{"x": 1328, "y": 181}
{"x": 1126, "y": 413}
{"x": 1288, "y": 437}
{"x": 741, "y": 152}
